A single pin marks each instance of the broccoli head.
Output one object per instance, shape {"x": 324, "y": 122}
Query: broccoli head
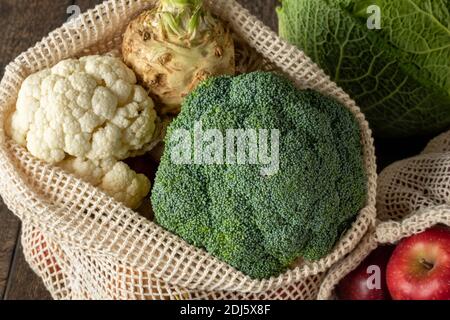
{"x": 258, "y": 220}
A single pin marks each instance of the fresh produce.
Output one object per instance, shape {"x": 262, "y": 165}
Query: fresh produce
{"x": 86, "y": 116}
{"x": 258, "y": 221}
{"x": 368, "y": 280}
{"x": 42, "y": 256}
{"x": 419, "y": 268}
{"x": 175, "y": 46}
{"x": 399, "y": 75}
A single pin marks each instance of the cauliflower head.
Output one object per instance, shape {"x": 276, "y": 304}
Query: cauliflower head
{"x": 87, "y": 115}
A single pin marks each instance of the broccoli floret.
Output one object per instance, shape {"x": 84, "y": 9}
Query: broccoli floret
{"x": 261, "y": 223}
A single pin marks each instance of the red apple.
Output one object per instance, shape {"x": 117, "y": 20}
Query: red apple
{"x": 419, "y": 268}
{"x": 368, "y": 280}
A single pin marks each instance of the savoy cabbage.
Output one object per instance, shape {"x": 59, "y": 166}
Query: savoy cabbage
{"x": 399, "y": 74}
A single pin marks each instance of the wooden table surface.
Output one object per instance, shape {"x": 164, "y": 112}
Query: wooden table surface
{"x": 22, "y": 24}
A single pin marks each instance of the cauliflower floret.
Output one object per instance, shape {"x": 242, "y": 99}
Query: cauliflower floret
{"x": 89, "y": 170}
{"x": 125, "y": 185}
{"x": 115, "y": 178}
{"x": 86, "y": 115}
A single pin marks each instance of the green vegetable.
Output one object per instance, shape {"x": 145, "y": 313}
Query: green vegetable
{"x": 261, "y": 223}
{"x": 399, "y": 75}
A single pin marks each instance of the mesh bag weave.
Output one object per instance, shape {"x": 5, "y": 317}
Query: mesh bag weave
{"x": 413, "y": 195}
{"x": 85, "y": 245}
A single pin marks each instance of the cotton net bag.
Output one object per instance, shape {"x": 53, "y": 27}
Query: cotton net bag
{"x": 413, "y": 196}
{"x": 85, "y": 245}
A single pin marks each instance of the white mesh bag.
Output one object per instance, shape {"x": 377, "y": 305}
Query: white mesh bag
{"x": 85, "y": 245}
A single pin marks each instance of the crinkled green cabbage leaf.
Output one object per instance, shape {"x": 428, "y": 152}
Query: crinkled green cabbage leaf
{"x": 399, "y": 74}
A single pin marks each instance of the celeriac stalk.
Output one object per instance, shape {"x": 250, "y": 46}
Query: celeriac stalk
{"x": 180, "y": 17}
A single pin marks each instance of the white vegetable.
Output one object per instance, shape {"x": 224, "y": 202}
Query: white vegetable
{"x": 175, "y": 46}
{"x": 115, "y": 178}
{"x": 86, "y": 115}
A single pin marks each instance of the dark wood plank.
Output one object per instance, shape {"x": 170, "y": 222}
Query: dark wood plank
{"x": 24, "y": 284}
{"x": 87, "y": 4}
{"x": 9, "y": 229}
{"x": 22, "y": 24}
